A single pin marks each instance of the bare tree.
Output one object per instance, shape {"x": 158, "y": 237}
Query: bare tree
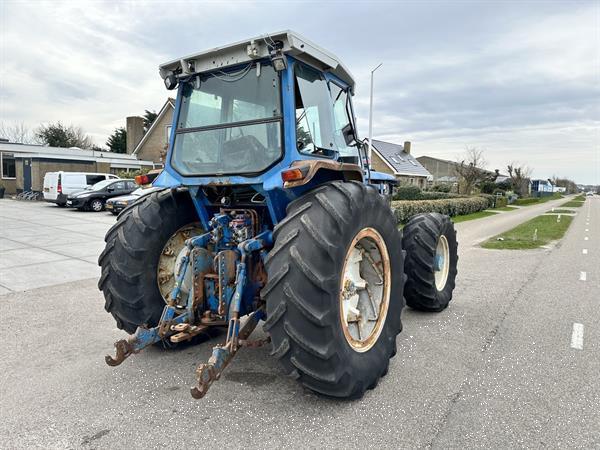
{"x": 18, "y": 133}
{"x": 471, "y": 170}
{"x": 520, "y": 177}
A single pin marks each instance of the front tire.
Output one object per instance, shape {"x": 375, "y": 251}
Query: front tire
{"x": 431, "y": 261}
{"x": 134, "y": 245}
{"x": 96, "y": 205}
{"x": 308, "y": 317}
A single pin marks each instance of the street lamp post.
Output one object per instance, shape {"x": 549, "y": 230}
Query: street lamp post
{"x": 371, "y": 117}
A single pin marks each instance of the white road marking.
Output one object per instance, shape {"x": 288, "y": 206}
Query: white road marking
{"x": 577, "y": 336}
{"x": 587, "y": 229}
{"x": 584, "y": 251}
{"x": 586, "y": 238}
{"x": 583, "y": 276}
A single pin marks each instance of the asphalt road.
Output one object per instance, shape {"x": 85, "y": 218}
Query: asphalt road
{"x": 513, "y": 362}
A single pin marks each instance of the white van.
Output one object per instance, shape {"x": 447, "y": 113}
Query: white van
{"x": 58, "y": 185}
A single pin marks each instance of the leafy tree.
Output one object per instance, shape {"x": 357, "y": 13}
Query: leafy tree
{"x": 149, "y": 118}
{"x": 488, "y": 187}
{"x": 117, "y": 142}
{"x": 59, "y": 135}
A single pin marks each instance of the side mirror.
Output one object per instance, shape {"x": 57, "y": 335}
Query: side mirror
{"x": 349, "y": 136}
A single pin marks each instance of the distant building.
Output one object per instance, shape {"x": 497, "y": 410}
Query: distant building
{"x": 151, "y": 145}
{"x": 24, "y": 166}
{"x": 396, "y": 160}
{"x": 540, "y": 188}
{"x": 444, "y": 171}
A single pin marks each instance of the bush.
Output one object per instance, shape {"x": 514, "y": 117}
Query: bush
{"x": 491, "y": 199}
{"x": 488, "y": 187}
{"x": 404, "y": 210}
{"x": 132, "y": 173}
{"x": 414, "y": 193}
{"x": 430, "y": 195}
{"x": 501, "y": 202}
{"x": 407, "y": 192}
{"x": 441, "y": 188}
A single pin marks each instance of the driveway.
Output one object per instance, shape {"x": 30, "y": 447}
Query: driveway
{"x": 44, "y": 245}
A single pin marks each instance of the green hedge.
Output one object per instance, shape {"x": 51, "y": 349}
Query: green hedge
{"x": 415, "y": 193}
{"x": 404, "y": 210}
{"x": 526, "y": 201}
{"x": 491, "y": 199}
{"x": 407, "y": 193}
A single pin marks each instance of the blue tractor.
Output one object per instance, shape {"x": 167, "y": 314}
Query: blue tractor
{"x": 270, "y": 212}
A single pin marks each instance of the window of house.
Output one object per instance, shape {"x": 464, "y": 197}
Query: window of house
{"x": 167, "y": 133}
{"x": 9, "y": 167}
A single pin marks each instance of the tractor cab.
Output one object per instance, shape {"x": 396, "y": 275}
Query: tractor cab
{"x": 269, "y": 113}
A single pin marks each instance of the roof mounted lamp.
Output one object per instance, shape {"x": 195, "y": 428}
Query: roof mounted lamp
{"x": 277, "y": 57}
{"x": 170, "y": 81}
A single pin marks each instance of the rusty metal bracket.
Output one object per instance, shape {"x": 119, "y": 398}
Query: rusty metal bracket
{"x": 222, "y": 356}
{"x": 123, "y": 349}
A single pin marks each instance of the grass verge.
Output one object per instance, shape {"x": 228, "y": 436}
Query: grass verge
{"x": 473, "y": 216}
{"x": 572, "y": 204}
{"x": 522, "y": 236}
{"x": 561, "y": 211}
{"x": 506, "y": 208}
{"x": 536, "y": 200}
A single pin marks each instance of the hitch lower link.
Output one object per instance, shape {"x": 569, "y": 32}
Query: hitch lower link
{"x": 177, "y": 323}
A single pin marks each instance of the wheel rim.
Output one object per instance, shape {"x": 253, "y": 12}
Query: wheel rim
{"x": 167, "y": 260}
{"x": 96, "y": 205}
{"x": 441, "y": 263}
{"x": 365, "y": 290}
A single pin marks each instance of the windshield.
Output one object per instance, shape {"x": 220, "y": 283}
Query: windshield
{"x": 100, "y": 185}
{"x": 229, "y": 123}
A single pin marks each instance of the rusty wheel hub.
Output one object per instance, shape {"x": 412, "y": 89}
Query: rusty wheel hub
{"x": 168, "y": 259}
{"x": 365, "y": 290}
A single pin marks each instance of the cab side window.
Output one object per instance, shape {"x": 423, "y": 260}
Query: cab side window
{"x": 341, "y": 120}
{"x": 314, "y": 116}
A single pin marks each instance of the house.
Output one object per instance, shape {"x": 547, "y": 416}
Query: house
{"x": 444, "y": 171}
{"x": 151, "y": 145}
{"x": 24, "y": 166}
{"x": 396, "y": 160}
{"x": 540, "y": 188}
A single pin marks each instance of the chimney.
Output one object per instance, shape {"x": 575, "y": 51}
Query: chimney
{"x": 407, "y": 147}
{"x": 135, "y": 132}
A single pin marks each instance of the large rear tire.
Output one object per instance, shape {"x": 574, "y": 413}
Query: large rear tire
{"x": 130, "y": 260}
{"x": 431, "y": 261}
{"x": 311, "y": 280}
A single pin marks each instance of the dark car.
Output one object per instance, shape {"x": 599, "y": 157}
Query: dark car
{"x": 117, "y": 204}
{"x": 94, "y": 197}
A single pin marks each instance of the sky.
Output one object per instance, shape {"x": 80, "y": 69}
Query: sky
{"x": 518, "y": 79}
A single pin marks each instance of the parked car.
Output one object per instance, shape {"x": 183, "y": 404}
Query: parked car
{"x": 94, "y": 197}
{"x": 589, "y": 194}
{"x": 58, "y": 185}
{"x": 117, "y": 204}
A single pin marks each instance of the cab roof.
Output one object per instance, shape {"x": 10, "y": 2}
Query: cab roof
{"x": 258, "y": 48}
